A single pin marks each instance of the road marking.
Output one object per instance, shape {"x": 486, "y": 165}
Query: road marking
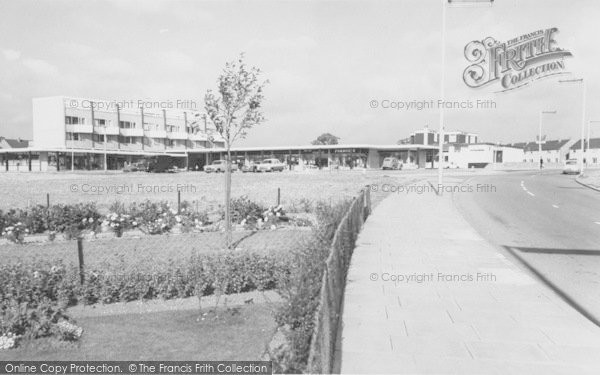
{"x": 530, "y": 193}
{"x": 597, "y": 222}
{"x": 555, "y": 206}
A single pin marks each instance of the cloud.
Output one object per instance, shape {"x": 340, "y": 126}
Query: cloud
{"x": 40, "y": 67}
{"x": 11, "y": 54}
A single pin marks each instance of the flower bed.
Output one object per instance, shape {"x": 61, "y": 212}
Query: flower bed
{"x": 34, "y": 295}
{"x": 147, "y": 217}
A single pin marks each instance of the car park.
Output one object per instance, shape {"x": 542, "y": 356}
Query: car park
{"x": 270, "y": 165}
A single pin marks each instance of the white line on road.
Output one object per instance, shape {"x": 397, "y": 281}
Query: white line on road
{"x": 555, "y": 206}
{"x": 530, "y": 193}
{"x": 597, "y": 222}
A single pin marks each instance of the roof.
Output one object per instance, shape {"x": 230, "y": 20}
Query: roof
{"x": 594, "y": 143}
{"x": 550, "y": 145}
{"x": 17, "y": 143}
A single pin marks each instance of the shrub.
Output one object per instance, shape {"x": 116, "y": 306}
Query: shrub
{"x": 15, "y": 233}
{"x": 73, "y": 220}
{"x": 301, "y": 287}
{"x": 32, "y": 301}
{"x": 243, "y": 208}
{"x": 119, "y": 222}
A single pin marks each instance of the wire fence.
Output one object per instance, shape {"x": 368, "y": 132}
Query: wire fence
{"x": 322, "y": 349}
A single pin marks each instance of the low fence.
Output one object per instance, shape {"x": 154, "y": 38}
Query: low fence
{"x": 322, "y": 350}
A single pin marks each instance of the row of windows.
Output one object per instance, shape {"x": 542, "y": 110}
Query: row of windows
{"x": 74, "y": 120}
{"x": 99, "y": 138}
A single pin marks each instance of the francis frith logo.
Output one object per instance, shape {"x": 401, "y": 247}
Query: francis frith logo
{"x": 514, "y": 63}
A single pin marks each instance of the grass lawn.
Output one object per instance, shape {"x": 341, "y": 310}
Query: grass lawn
{"x": 157, "y": 248}
{"x": 22, "y": 189}
{"x": 238, "y": 334}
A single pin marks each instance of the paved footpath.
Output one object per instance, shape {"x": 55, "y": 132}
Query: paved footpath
{"x": 496, "y": 320}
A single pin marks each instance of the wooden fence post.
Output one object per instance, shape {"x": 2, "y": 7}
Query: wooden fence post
{"x": 80, "y": 256}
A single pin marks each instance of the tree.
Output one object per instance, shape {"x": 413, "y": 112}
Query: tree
{"x": 326, "y": 139}
{"x": 234, "y": 109}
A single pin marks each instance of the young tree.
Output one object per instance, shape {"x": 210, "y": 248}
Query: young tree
{"x": 234, "y": 109}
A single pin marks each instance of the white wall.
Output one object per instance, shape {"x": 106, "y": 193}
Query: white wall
{"x": 49, "y": 122}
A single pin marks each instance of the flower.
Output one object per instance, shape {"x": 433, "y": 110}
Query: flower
{"x": 8, "y": 341}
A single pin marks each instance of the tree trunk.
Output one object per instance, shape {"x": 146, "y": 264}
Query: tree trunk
{"x": 228, "y": 239}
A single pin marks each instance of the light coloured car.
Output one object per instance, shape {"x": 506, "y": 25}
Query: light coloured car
{"x": 571, "y": 167}
{"x": 391, "y": 163}
{"x": 250, "y": 167}
{"x": 270, "y": 165}
{"x": 219, "y": 166}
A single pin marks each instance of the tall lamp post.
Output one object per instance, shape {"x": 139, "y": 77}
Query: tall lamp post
{"x": 580, "y": 80}
{"x": 445, "y": 3}
{"x": 105, "y": 156}
{"x": 542, "y": 113}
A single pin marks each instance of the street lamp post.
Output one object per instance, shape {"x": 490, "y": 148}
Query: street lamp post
{"x": 542, "y": 113}
{"x": 105, "y": 157}
{"x": 445, "y": 3}
{"x": 442, "y": 84}
{"x": 580, "y": 80}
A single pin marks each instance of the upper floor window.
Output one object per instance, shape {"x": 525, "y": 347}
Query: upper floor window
{"x": 127, "y": 124}
{"x": 72, "y": 136}
{"x": 101, "y": 122}
{"x": 73, "y": 120}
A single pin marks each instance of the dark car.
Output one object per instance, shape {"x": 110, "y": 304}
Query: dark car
{"x": 160, "y": 164}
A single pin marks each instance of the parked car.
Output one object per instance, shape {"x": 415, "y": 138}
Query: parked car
{"x": 251, "y": 167}
{"x": 160, "y": 164}
{"x": 270, "y": 165}
{"x": 135, "y": 167}
{"x": 571, "y": 167}
{"x": 219, "y": 166}
{"x": 391, "y": 163}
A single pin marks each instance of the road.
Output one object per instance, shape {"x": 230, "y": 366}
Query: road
{"x": 547, "y": 223}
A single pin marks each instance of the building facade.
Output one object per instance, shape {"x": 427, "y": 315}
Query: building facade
{"x": 90, "y": 129}
{"x": 591, "y": 153}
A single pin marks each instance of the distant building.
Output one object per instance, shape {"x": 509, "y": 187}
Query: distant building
{"x": 14, "y": 143}
{"x": 553, "y": 151}
{"x": 427, "y": 137}
{"x": 591, "y": 156}
{"x": 480, "y": 155}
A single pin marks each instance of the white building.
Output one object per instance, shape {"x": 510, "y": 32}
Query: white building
{"x": 591, "y": 155}
{"x": 554, "y": 152}
{"x": 480, "y": 155}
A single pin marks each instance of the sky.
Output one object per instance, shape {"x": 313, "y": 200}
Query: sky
{"x": 326, "y": 61}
